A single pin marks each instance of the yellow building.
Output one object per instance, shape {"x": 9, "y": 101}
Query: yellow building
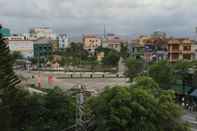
{"x": 55, "y": 45}
{"x": 179, "y": 49}
{"x": 91, "y": 42}
{"x": 100, "y": 56}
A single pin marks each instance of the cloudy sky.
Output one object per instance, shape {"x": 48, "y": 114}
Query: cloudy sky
{"x": 125, "y": 17}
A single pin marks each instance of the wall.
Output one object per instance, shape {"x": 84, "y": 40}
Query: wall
{"x": 23, "y": 46}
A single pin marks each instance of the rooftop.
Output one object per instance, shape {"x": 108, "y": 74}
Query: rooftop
{"x": 42, "y": 41}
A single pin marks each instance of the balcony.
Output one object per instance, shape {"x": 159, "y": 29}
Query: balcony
{"x": 186, "y": 52}
{"x": 173, "y": 60}
{"x": 174, "y": 51}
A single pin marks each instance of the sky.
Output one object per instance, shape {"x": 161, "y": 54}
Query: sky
{"x": 124, "y": 17}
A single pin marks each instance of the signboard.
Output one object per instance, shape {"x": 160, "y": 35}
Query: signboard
{"x": 148, "y": 48}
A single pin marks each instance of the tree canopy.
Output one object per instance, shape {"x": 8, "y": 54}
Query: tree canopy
{"x": 111, "y": 58}
{"x": 163, "y": 73}
{"x": 8, "y": 85}
{"x": 134, "y": 67}
{"x": 137, "y": 108}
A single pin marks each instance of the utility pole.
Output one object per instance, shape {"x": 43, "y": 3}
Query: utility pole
{"x": 196, "y": 33}
{"x": 79, "y": 110}
{"x": 80, "y": 123}
{"x": 104, "y": 32}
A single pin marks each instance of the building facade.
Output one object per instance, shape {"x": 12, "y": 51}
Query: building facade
{"x": 91, "y": 42}
{"x": 42, "y": 32}
{"x": 179, "y": 49}
{"x": 194, "y": 50}
{"x": 112, "y": 41}
{"x": 149, "y": 48}
{"x": 21, "y": 44}
{"x": 63, "y": 41}
{"x": 42, "y": 48}
{"x": 115, "y": 43}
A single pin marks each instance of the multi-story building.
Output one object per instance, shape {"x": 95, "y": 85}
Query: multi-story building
{"x": 194, "y": 50}
{"x": 91, "y": 42}
{"x": 42, "y": 48}
{"x": 21, "y": 44}
{"x": 63, "y": 41}
{"x": 115, "y": 43}
{"x": 136, "y": 50}
{"x": 149, "y": 48}
{"x": 179, "y": 49}
{"x": 42, "y": 32}
{"x": 112, "y": 41}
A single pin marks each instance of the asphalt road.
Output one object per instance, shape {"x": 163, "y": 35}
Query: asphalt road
{"x": 96, "y": 84}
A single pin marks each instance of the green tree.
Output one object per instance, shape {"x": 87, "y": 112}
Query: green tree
{"x": 76, "y": 50}
{"x": 136, "y": 108}
{"x": 135, "y": 67}
{"x": 17, "y": 55}
{"x": 124, "y": 52}
{"x": 54, "y": 111}
{"x": 111, "y": 58}
{"x": 163, "y": 73}
{"x": 8, "y": 84}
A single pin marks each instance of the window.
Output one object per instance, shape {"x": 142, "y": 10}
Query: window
{"x": 175, "y": 47}
{"x": 186, "y": 48}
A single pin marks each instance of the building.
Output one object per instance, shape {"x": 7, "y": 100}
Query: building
{"x": 149, "y": 48}
{"x": 100, "y": 56}
{"x": 63, "y": 41}
{"x": 113, "y": 42}
{"x": 21, "y": 44}
{"x": 91, "y": 42}
{"x": 179, "y": 49}
{"x": 194, "y": 50}
{"x": 136, "y": 50}
{"x": 55, "y": 45}
{"x": 42, "y": 48}
{"x": 142, "y": 40}
{"x": 42, "y": 32}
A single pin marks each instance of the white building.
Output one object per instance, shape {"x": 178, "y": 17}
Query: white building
{"x": 40, "y": 32}
{"x": 63, "y": 41}
{"x": 21, "y": 44}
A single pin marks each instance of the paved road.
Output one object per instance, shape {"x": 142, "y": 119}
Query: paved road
{"x": 96, "y": 84}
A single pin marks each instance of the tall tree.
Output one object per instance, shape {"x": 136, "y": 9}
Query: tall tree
{"x": 8, "y": 83}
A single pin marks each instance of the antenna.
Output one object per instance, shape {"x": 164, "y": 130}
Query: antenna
{"x": 104, "y": 32}
{"x": 196, "y": 32}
